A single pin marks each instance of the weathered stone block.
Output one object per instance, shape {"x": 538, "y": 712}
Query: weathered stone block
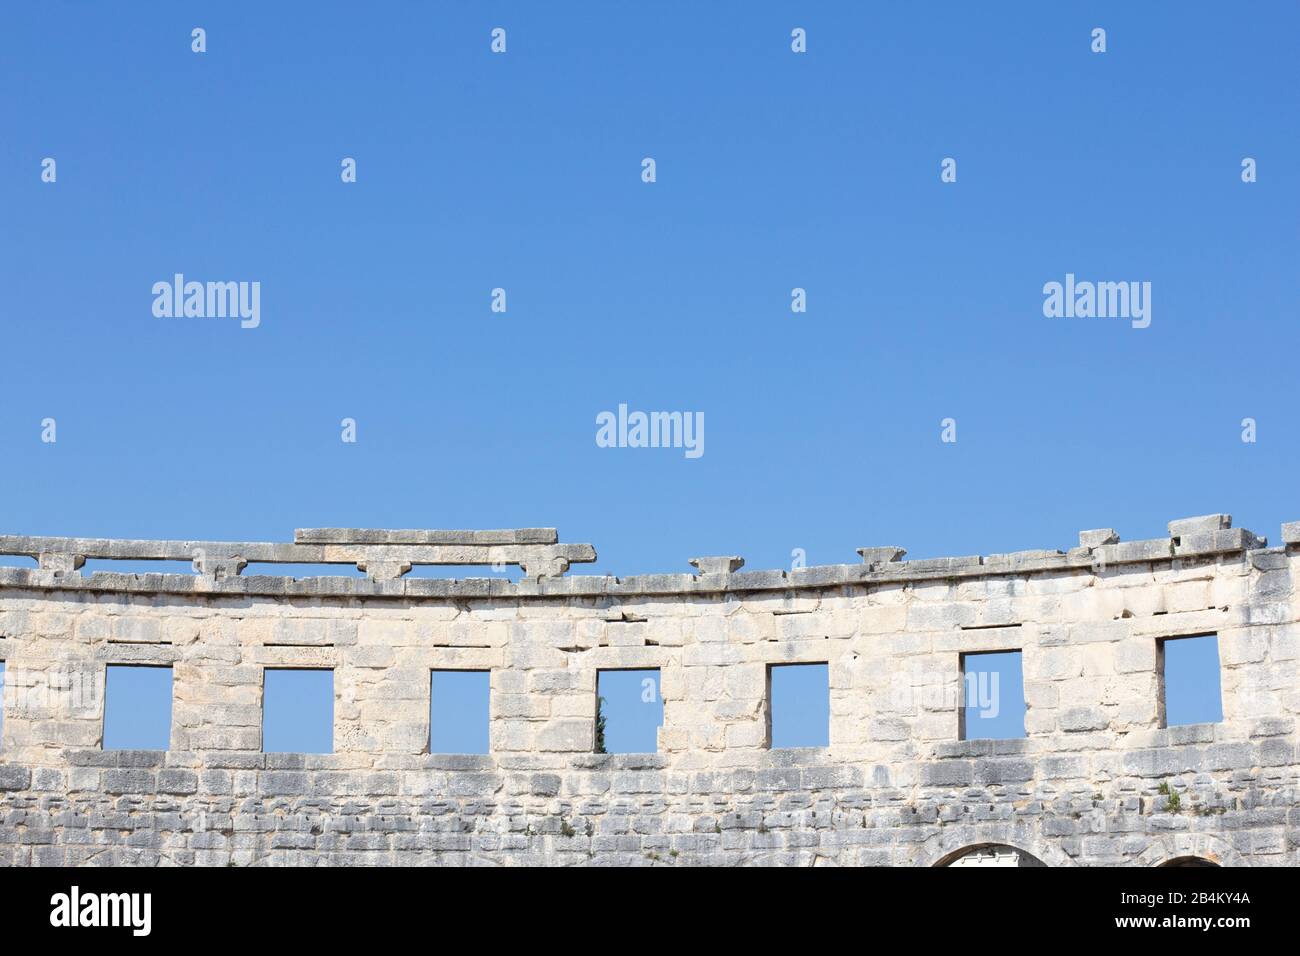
{"x": 1077, "y": 719}
{"x": 130, "y": 781}
{"x": 15, "y": 778}
{"x": 567, "y": 735}
{"x": 1199, "y": 525}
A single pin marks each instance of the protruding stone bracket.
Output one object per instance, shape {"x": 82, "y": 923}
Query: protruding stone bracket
{"x": 718, "y": 564}
{"x": 217, "y": 565}
{"x": 1291, "y": 532}
{"x": 384, "y": 570}
{"x": 544, "y": 565}
{"x": 1098, "y": 537}
{"x": 876, "y": 556}
{"x": 61, "y": 562}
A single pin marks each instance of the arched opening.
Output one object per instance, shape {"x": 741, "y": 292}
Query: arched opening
{"x": 1189, "y": 861}
{"x": 990, "y": 854}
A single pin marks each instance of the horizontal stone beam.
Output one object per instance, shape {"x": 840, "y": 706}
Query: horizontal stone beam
{"x": 455, "y": 554}
{"x": 418, "y": 536}
{"x": 219, "y": 563}
{"x": 249, "y": 552}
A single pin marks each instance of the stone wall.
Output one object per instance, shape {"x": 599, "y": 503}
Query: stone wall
{"x": 895, "y": 786}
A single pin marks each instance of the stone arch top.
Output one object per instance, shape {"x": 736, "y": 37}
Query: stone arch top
{"x": 954, "y": 841}
{"x": 1205, "y": 846}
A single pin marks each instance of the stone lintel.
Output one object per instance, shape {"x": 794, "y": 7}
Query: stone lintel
{"x": 232, "y": 552}
{"x": 420, "y": 536}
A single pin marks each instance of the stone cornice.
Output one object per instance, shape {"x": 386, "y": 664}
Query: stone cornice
{"x": 387, "y": 555}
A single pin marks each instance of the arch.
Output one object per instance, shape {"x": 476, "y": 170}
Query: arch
{"x": 990, "y": 854}
{"x": 951, "y": 843}
{"x": 1176, "y": 849}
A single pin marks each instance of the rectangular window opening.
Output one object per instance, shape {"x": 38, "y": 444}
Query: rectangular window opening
{"x": 1190, "y": 691}
{"x": 298, "y": 710}
{"x": 459, "y": 712}
{"x": 799, "y": 705}
{"x": 135, "y": 566}
{"x": 137, "y": 707}
{"x": 993, "y": 696}
{"x": 300, "y": 571}
{"x": 629, "y": 711}
{"x": 460, "y": 572}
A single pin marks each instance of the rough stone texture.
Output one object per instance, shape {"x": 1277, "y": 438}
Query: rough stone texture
{"x": 895, "y": 786}
{"x": 1097, "y": 537}
{"x": 881, "y": 555}
{"x": 1199, "y": 525}
{"x": 723, "y": 564}
{"x": 417, "y": 536}
{"x": 221, "y": 559}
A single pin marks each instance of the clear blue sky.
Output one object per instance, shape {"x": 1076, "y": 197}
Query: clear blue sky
{"x": 1193, "y": 691}
{"x": 633, "y": 710}
{"x": 994, "y": 689}
{"x": 138, "y": 707}
{"x": 800, "y": 705}
{"x": 459, "y": 712}
{"x": 775, "y": 170}
{"x": 298, "y": 711}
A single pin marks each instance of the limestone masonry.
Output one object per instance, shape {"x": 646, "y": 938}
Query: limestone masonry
{"x": 1097, "y": 779}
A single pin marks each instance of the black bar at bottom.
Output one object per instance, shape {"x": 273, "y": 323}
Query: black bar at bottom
{"x": 345, "y": 906}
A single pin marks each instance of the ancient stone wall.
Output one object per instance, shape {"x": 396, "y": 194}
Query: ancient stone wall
{"x": 1089, "y": 784}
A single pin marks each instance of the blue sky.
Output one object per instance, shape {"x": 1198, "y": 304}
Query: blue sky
{"x": 298, "y": 710}
{"x": 138, "y": 707}
{"x": 633, "y": 710}
{"x": 994, "y": 689}
{"x": 1193, "y": 692}
{"x": 774, "y": 171}
{"x": 459, "y": 712}
{"x": 800, "y": 705}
